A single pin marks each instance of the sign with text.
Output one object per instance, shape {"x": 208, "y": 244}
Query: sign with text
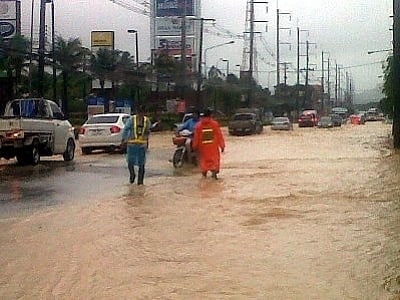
{"x": 169, "y": 8}
{"x": 102, "y": 39}
{"x": 172, "y": 45}
{"x": 172, "y": 26}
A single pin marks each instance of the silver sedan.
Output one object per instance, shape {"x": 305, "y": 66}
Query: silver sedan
{"x": 281, "y": 123}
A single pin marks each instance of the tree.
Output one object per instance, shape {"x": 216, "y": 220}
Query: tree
{"x": 387, "y": 103}
{"x": 13, "y": 55}
{"x": 68, "y": 58}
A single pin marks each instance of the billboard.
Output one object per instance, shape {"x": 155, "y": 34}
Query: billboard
{"x": 172, "y": 26}
{"x": 172, "y": 45}
{"x": 9, "y": 18}
{"x": 169, "y": 8}
{"x": 104, "y": 39}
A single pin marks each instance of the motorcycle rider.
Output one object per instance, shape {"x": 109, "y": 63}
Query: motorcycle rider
{"x": 190, "y": 126}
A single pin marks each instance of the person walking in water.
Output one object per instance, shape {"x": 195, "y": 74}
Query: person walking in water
{"x": 135, "y": 136}
{"x": 208, "y": 140}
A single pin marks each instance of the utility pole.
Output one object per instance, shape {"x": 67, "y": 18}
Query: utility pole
{"x": 329, "y": 81}
{"x": 298, "y": 68}
{"x": 396, "y": 74}
{"x": 53, "y": 57}
{"x": 285, "y": 67}
{"x": 322, "y": 84}
{"x": 251, "y": 58}
{"x": 336, "y": 85}
{"x": 199, "y": 103}
{"x": 278, "y": 42}
{"x": 42, "y": 32}
{"x": 183, "y": 48}
{"x": 323, "y": 79}
{"x": 307, "y": 63}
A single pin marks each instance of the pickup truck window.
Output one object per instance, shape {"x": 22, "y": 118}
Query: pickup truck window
{"x": 57, "y": 113}
{"x": 243, "y": 117}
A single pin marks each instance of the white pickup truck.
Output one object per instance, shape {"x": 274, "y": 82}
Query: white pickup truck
{"x": 34, "y": 127}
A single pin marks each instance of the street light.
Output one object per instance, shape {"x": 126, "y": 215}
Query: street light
{"x": 212, "y": 47}
{"x": 227, "y": 66}
{"x": 137, "y": 60}
{"x": 136, "y": 46}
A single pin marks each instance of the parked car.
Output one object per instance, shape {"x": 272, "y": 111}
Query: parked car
{"x": 245, "y": 123}
{"x": 336, "y": 119}
{"x": 308, "y": 118}
{"x": 357, "y": 119}
{"x": 325, "y": 122}
{"x": 102, "y": 131}
{"x": 281, "y": 123}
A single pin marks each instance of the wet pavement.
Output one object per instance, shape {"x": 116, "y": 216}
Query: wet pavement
{"x": 306, "y": 214}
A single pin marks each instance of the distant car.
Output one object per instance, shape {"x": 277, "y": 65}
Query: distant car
{"x": 336, "y": 119}
{"x": 281, "y": 123}
{"x": 245, "y": 124}
{"x": 357, "y": 119}
{"x": 325, "y": 122}
{"x": 102, "y": 131}
{"x": 308, "y": 118}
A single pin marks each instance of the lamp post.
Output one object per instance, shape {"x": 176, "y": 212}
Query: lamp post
{"x": 137, "y": 61}
{"x": 136, "y": 45}
{"x": 212, "y": 47}
{"x": 227, "y": 66}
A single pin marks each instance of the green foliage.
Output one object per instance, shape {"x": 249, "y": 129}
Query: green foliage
{"x": 386, "y": 104}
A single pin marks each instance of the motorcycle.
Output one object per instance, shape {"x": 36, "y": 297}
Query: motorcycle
{"x": 181, "y": 154}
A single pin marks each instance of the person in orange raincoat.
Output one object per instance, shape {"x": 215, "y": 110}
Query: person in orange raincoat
{"x": 208, "y": 140}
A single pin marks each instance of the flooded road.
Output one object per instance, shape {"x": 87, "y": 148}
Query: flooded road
{"x": 307, "y": 214}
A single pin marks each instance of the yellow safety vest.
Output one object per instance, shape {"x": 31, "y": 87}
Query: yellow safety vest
{"x": 138, "y": 138}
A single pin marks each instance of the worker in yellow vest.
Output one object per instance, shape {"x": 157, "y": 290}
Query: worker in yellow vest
{"x": 135, "y": 136}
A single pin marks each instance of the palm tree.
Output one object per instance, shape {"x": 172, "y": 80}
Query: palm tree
{"x": 14, "y": 53}
{"x": 68, "y": 58}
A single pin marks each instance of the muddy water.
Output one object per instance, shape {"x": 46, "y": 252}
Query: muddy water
{"x": 307, "y": 214}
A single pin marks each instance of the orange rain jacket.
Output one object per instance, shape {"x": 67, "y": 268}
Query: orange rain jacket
{"x": 207, "y": 140}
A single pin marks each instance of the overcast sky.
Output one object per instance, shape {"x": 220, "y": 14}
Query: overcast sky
{"x": 343, "y": 28}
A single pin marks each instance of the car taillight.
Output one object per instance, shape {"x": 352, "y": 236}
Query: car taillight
{"x": 115, "y": 129}
{"x": 82, "y": 130}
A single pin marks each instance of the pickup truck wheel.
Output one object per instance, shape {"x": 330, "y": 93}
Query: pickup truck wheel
{"x": 32, "y": 153}
{"x": 69, "y": 153}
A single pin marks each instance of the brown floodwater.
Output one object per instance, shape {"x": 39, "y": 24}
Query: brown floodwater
{"x": 306, "y": 214}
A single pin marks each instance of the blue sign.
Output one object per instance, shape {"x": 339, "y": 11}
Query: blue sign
{"x": 123, "y": 103}
{"x": 174, "y": 8}
{"x": 95, "y": 100}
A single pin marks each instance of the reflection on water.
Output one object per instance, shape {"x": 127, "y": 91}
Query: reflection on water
{"x": 308, "y": 214}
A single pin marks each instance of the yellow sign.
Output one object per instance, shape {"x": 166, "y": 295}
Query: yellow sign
{"x": 102, "y": 39}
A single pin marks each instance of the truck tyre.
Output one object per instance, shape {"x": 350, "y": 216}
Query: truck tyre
{"x": 69, "y": 153}
{"x": 29, "y": 155}
{"x": 33, "y": 153}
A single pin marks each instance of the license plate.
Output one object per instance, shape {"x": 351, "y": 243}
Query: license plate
{"x": 96, "y": 132}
